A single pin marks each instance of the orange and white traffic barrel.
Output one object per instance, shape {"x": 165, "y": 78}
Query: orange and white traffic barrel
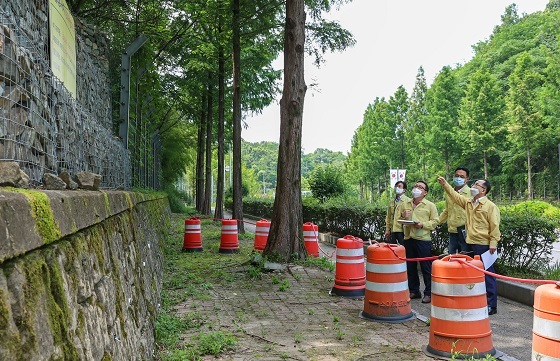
{"x": 261, "y": 235}
{"x": 228, "y": 241}
{"x": 459, "y": 320}
{"x": 546, "y": 323}
{"x": 350, "y": 274}
{"x": 192, "y": 241}
{"x": 386, "y": 298}
{"x": 311, "y": 238}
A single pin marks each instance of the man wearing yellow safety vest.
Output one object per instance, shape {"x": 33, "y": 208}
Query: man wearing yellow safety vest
{"x": 393, "y": 228}
{"x": 455, "y": 215}
{"x": 483, "y": 228}
{"x": 422, "y": 216}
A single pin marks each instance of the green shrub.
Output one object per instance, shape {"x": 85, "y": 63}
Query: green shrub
{"x": 526, "y": 241}
{"x": 536, "y": 209}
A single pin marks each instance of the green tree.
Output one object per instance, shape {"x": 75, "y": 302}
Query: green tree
{"x": 416, "y": 116}
{"x": 442, "y": 104}
{"x": 326, "y": 182}
{"x": 398, "y": 108}
{"x": 481, "y": 115}
{"x": 525, "y": 118}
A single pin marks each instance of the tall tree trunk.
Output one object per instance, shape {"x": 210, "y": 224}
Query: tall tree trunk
{"x": 361, "y": 185}
{"x": 402, "y": 152}
{"x": 285, "y": 237}
{"x": 219, "y": 211}
{"x": 237, "y": 211}
{"x": 208, "y": 173}
{"x": 529, "y": 181}
{"x": 200, "y": 158}
{"x": 447, "y": 162}
{"x": 424, "y": 164}
{"x": 485, "y": 165}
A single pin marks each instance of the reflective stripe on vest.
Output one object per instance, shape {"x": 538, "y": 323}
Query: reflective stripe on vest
{"x": 455, "y": 314}
{"x": 454, "y": 289}
{"x": 546, "y": 328}
{"x": 386, "y": 287}
{"x": 386, "y": 268}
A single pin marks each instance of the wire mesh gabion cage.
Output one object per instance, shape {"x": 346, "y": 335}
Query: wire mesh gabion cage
{"x": 42, "y": 127}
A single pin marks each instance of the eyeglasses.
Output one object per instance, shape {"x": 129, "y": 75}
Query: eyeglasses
{"x": 479, "y": 185}
{"x": 420, "y": 186}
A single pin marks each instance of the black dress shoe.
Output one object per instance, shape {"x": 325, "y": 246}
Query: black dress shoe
{"x": 414, "y": 295}
{"x": 427, "y": 299}
{"x": 492, "y": 311}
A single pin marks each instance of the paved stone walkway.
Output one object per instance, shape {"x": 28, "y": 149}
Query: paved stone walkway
{"x": 290, "y": 315}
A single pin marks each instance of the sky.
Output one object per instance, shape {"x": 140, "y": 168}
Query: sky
{"x": 393, "y": 39}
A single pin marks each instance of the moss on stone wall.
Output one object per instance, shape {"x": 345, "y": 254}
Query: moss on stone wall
{"x": 44, "y": 278}
{"x": 45, "y": 224}
{"x": 51, "y": 276}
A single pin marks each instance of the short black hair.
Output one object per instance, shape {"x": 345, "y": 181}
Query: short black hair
{"x": 426, "y": 184}
{"x": 487, "y": 185}
{"x": 464, "y": 169}
{"x": 403, "y": 184}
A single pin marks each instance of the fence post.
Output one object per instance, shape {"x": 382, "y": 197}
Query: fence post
{"x": 125, "y": 86}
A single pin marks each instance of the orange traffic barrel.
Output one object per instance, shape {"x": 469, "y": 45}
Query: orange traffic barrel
{"x": 192, "y": 241}
{"x": 350, "y": 273}
{"x": 228, "y": 241}
{"x": 546, "y": 323}
{"x": 459, "y": 320}
{"x": 261, "y": 235}
{"x": 311, "y": 238}
{"x": 387, "y": 298}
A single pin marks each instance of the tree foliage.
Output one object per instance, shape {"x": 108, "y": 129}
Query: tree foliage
{"x": 498, "y": 115}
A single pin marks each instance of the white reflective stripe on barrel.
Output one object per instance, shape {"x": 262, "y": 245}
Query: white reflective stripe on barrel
{"x": 310, "y": 234}
{"x": 459, "y": 289}
{"x": 262, "y": 229}
{"x": 386, "y": 287}
{"x": 456, "y": 314}
{"x": 535, "y": 356}
{"x": 192, "y": 232}
{"x": 229, "y": 228}
{"x": 192, "y": 226}
{"x": 386, "y": 268}
{"x": 546, "y": 328}
{"x": 350, "y": 252}
{"x": 343, "y": 260}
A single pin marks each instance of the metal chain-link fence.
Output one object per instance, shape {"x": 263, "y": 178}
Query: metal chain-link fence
{"x": 42, "y": 127}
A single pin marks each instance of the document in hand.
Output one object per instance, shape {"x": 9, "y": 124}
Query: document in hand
{"x": 488, "y": 259}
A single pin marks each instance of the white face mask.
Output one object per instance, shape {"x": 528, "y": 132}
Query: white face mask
{"x": 416, "y": 192}
{"x": 399, "y": 191}
{"x": 474, "y": 192}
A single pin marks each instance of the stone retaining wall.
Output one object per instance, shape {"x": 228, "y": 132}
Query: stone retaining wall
{"x": 81, "y": 274}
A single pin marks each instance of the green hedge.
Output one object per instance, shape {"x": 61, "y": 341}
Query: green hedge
{"x": 528, "y": 230}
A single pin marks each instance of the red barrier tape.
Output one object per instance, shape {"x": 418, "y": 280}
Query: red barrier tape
{"x": 515, "y": 279}
{"x": 432, "y": 258}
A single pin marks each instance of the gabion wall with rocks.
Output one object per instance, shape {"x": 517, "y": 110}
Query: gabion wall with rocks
{"x": 42, "y": 127}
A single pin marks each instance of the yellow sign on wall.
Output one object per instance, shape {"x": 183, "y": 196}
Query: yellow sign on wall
{"x": 63, "y": 44}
